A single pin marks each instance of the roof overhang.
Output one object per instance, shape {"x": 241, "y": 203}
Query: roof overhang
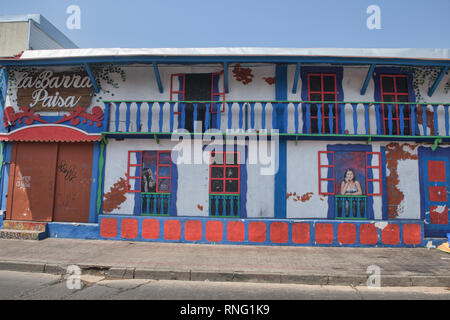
{"x": 420, "y": 57}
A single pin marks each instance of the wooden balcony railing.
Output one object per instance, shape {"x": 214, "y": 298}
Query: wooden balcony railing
{"x": 350, "y": 207}
{"x": 288, "y": 117}
{"x": 224, "y": 205}
{"x": 155, "y": 203}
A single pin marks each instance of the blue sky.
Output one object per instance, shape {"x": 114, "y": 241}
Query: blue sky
{"x": 242, "y": 23}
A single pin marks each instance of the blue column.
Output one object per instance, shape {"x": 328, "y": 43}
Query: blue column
{"x": 280, "y": 176}
{"x": 94, "y": 185}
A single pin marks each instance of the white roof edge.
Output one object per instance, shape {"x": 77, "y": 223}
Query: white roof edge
{"x": 404, "y": 53}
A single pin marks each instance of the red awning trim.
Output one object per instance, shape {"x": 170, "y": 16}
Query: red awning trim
{"x": 50, "y": 133}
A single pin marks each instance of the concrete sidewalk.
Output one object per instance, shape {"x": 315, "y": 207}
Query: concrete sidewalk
{"x": 200, "y": 262}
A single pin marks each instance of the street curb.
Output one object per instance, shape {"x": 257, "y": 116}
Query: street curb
{"x": 114, "y": 272}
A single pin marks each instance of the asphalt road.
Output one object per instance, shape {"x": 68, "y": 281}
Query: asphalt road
{"x": 37, "y": 286}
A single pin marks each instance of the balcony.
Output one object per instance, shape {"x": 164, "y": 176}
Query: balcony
{"x": 350, "y": 207}
{"x": 224, "y": 205}
{"x": 293, "y": 119}
{"x": 155, "y": 203}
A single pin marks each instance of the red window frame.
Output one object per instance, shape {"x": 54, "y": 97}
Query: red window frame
{"x": 213, "y": 94}
{"x": 326, "y": 178}
{"x": 224, "y": 166}
{"x": 130, "y": 165}
{"x": 367, "y": 167}
{"x": 220, "y": 94}
{"x": 374, "y": 180}
{"x": 396, "y": 94}
{"x": 172, "y": 91}
{"x": 139, "y": 178}
{"x": 159, "y": 165}
{"x": 325, "y": 115}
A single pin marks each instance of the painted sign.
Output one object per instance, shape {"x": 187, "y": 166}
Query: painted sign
{"x": 50, "y": 91}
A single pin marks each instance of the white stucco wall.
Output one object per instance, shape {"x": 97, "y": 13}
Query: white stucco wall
{"x": 193, "y": 178}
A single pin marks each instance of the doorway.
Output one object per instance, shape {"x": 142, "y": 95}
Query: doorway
{"x": 50, "y": 182}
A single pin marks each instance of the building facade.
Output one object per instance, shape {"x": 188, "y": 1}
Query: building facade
{"x": 328, "y": 147}
{"x": 30, "y": 32}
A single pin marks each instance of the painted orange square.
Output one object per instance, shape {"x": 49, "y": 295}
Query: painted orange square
{"x": 412, "y": 234}
{"x": 172, "y": 230}
{"x": 193, "y": 230}
{"x": 150, "y": 229}
{"x": 438, "y": 215}
{"x": 436, "y": 171}
{"x": 390, "y": 234}
{"x": 235, "y": 231}
{"x": 108, "y": 228}
{"x": 279, "y": 232}
{"x": 347, "y": 233}
{"x": 129, "y": 228}
{"x": 214, "y": 231}
{"x": 324, "y": 233}
{"x": 257, "y": 231}
{"x": 368, "y": 234}
{"x": 438, "y": 193}
{"x": 300, "y": 233}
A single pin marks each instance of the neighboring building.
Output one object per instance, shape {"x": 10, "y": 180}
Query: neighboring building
{"x": 332, "y": 147}
{"x": 30, "y": 32}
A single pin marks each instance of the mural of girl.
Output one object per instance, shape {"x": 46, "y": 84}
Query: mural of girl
{"x": 351, "y": 187}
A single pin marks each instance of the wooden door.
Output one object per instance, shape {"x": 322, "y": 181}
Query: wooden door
{"x": 73, "y": 182}
{"x": 32, "y": 183}
{"x": 50, "y": 182}
{"x": 436, "y": 190}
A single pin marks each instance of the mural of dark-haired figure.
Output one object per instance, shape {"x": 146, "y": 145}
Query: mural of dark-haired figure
{"x": 351, "y": 187}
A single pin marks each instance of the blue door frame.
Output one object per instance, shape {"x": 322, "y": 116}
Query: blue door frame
{"x": 426, "y": 155}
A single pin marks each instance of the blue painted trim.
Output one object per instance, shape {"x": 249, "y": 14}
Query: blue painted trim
{"x": 158, "y": 78}
{"x": 438, "y": 80}
{"x": 3, "y": 88}
{"x": 5, "y": 173}
{"x": 74, "y": 231}
{"x": 91, "y": 76}
{"x": 297, "y": 75}
{"x": 425, "y": 154}
{"x": 99, "y": 210}
{"x": 280, "y": 186}
{"x": 367, "y": 80}
{"x": 94, "y": 183}
{"x": 2, "y": 165}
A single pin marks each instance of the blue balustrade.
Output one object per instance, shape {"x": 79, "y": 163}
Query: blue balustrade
{"x": 224, "y": 205}
{"x": 326, "y": 118}
{"x": 350, "y": 207}
{"x": 155, "y": 203}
